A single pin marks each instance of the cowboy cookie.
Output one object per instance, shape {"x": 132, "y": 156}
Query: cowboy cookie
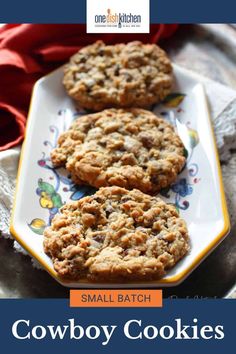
{"x": 122, "y": 75}
{"x": 130, "y": 148}
{"x": 116, "y": 235}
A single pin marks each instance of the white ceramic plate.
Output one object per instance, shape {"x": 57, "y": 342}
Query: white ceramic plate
{"x": 198, "y": 192}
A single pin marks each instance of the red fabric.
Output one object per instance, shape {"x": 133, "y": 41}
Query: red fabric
{"x": 29, "y": 51}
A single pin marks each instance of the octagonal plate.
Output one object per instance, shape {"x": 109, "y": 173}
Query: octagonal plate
{"x": 198, "y": 193}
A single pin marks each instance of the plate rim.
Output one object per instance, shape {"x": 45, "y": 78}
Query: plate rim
{"x": 175, "y": 279}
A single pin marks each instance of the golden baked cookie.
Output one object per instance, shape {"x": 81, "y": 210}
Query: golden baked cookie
{"x": 123, "y": 75}
{"x": 130, "y": 148}
{"x": 116, "y": 235}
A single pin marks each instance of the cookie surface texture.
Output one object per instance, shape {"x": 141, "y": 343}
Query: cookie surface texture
{"x": 116, "y": 235}
{"x": 128, "y": 148}
{"x": 123, "y": 75}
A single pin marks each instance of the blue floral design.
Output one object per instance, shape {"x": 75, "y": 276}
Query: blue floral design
{"x": 182, "y": 187}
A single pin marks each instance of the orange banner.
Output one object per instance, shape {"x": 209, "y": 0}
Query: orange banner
{"x": 116, "y": 298}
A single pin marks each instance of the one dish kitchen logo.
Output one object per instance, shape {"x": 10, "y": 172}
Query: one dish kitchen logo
{"x": 118, "y": 16}
{"x": 118, "y": 19}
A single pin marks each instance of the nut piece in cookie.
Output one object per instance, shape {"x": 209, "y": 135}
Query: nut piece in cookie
{"x": 130, "y": 148}
{"x": 123, "y": 75}
{"x": 116, "y": 235}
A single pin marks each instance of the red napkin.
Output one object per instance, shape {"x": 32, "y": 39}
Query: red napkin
{"x": 29, "y": 51}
